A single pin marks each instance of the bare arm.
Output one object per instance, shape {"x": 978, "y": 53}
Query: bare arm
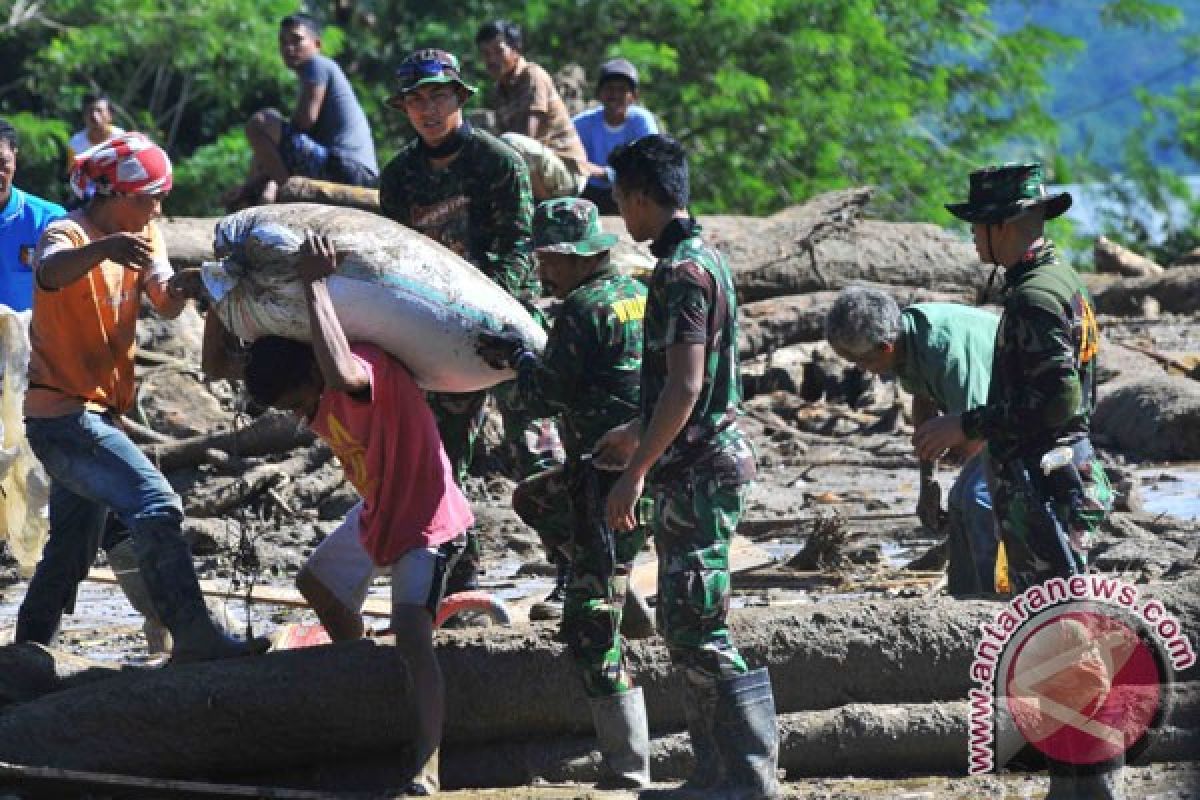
{"x": 685, "y": 380}
{"x": 533, "y": 124}
{"x": 308, "y": 106}
{"x": 340, "y": 369}
{"x": 64, "y": 267}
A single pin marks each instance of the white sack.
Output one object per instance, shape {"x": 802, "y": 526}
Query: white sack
{"x": 394, "y": 287}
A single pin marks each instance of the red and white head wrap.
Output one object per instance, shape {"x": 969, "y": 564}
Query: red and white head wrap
{"x": 128, "y": 163}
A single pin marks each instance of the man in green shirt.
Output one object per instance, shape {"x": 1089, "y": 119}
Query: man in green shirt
{"x": 941, "y": 353}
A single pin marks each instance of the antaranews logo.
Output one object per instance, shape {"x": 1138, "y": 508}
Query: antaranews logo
{"x": 1080, "y": 668}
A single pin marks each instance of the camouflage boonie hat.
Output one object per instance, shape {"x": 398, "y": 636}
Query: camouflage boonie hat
{"x": 570, "y": 225}
{"x": 1001, "y": 193}
{"x": 424, "y": 67}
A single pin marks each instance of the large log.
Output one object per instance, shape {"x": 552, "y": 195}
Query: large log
{"x": 823, "y": 244}
{"x": 298, "y": 189}
{"x": 1113, "y": 258}
{"x": 1177, "y": 291}
{"x": 272, "y": 432}
{"x": 324, "y": 703}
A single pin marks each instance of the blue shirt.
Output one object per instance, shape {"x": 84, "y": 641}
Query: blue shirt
{"x": 599, "y": 138}
{"x": 21, "y": 224}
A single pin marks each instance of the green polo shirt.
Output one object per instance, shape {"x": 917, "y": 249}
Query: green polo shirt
{"x": 947, "y": 354}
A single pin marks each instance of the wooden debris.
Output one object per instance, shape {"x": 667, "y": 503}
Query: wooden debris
{"x": 1112, "y": 257}
{"x": 273, "y": 432}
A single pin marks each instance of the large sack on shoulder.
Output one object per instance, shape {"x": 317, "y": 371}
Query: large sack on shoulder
{"x": 395, "y": 288}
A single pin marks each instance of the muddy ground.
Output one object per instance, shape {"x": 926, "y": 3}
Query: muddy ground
{"x": 834, "y": 454}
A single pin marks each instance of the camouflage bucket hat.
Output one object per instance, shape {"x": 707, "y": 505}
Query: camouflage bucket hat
{"x": 1001, "y": 193}
{"x": 570, "y": 225}
{"x": 425, "y": 67}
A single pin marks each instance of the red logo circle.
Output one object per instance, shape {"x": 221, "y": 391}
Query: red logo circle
{"x": 1083, "y": 687}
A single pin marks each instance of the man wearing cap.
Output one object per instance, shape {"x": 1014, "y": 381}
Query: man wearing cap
{"x": 531, "y": 114}
{"x": 23, "y": 217}
{"x": 1050, "y": 492}
{"x": 589, "y": 375}
{"x": 617, "y": 120}
{"x": 91, "y": 270}
{"x": 463, "y": 188}
{"x": 327, "y": 136}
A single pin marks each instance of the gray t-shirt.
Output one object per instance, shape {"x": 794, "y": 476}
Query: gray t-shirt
{"x": 341, "y": 125}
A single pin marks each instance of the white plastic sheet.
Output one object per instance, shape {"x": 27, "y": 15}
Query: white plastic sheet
{"x": 24, "y": 487}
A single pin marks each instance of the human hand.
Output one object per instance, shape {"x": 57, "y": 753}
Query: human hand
{"x": 614, "y": 449}
{"x": 318, "y": 258}
{"x": 501, "y": 349}
{"x": 130, "y": 250}
{"x": 938, "y": 435}
{"x": 621, "y": 507}
{"x": 186, "y": 283}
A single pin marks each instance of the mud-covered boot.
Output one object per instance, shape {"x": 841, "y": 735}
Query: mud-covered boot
{"x": 552, "y": 606}
{"x": 624, "y": 737}
{"x": 124, "y": 563}
{"x": 747, "y": 736}
{"x": 464, "y": 575}
{"x": 173, "y": 589}
{"x": 700, "y": 708}
{"x": 637, "y": 620}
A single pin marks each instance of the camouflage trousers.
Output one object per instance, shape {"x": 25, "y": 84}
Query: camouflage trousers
{"x": 565, "y": 505}
{"x": 1025, "y": 542}
{"x": 533, "y": 442}
{"x": 693, "y": 524}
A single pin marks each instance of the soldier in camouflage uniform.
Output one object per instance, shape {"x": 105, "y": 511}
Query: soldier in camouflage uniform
{"x": 686, "y": 450}
{"x": 589, "y": 375}
{"x": 464, "y": 188}
{"x": 1040, "y": 401}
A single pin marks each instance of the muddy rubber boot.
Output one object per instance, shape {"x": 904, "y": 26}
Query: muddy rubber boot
{"x": 552, "y": 606}
{"x": 124, "y": 563}
{"x": 637, "y": 620}
{"x": 747, "y": 736}
{"x": 700, "y": 708}
{"x": 464, "y": 575}
{"x": 174, "y": 590}
{"x": 624, "y": 737}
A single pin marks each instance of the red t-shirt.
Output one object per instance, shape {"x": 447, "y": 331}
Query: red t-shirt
{"x": 389, "y": 445}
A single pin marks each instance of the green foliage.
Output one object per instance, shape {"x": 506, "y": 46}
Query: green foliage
{"x": 42, "y": 155}
{"x": 775, "y": 99}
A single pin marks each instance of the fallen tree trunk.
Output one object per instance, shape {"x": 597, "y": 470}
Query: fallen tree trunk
{"x": 273, "y": 432}
{"x": 189, "y": 240}
{"x": 1111, "y": 257}
{"x": 1176, "y": 290}
{"x": 298, "y": 189}
{"x": 1158, "y": 418}
{"x": 767, "y": 325}
{"x": 323, "y": 703}
{"x": 29, "y": 670}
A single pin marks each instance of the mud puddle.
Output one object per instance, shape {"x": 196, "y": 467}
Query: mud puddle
{"x": 1172, "y": 491}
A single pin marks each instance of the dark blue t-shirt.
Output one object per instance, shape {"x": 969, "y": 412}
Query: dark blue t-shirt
{"x": 341, "y": 124}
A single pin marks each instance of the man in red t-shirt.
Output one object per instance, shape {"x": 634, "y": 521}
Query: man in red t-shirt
{"x": 412, "y": 517}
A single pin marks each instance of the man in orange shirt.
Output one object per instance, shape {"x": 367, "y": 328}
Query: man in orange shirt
{"x": 90, "y": 271}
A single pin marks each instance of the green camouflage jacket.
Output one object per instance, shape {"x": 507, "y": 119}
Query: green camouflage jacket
{"x": 1044, "y": 366}
{"x": 692, "y": 301}
{"x": 480, "y": 206}
{"x": 589, "y": 370}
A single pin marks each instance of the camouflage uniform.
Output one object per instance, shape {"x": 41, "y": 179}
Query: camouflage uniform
{"x": 589, "y": 375}
{"x": 480, "y": 206}
{"x": 698, "y": 484}
{"x": 1041, "y": 396}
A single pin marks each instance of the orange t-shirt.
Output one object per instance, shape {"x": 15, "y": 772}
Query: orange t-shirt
{"x": 82, "y": 336}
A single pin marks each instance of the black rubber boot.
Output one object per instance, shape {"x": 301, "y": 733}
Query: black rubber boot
{"x": 171, "y": 583}
{"x": 747, "y": 736}
{"x": 624, "y": 738}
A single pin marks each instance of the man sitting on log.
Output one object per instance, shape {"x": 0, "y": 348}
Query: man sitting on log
{"x": 327, "y": 137}
{"x": 91, "y": 270}
{"x": 1050, "y": 491}
{"x": 686, "y": 445}
{"x": 941, "y": 353}
{"x": 589, "y": 374}
{"x": 412, "y": 517}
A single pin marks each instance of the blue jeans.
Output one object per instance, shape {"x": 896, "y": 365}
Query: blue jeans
{"x": 93, "y": 467}
{"x": 974, "y": 536}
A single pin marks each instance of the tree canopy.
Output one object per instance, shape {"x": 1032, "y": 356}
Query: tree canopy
{"x": 774, "y": 99}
